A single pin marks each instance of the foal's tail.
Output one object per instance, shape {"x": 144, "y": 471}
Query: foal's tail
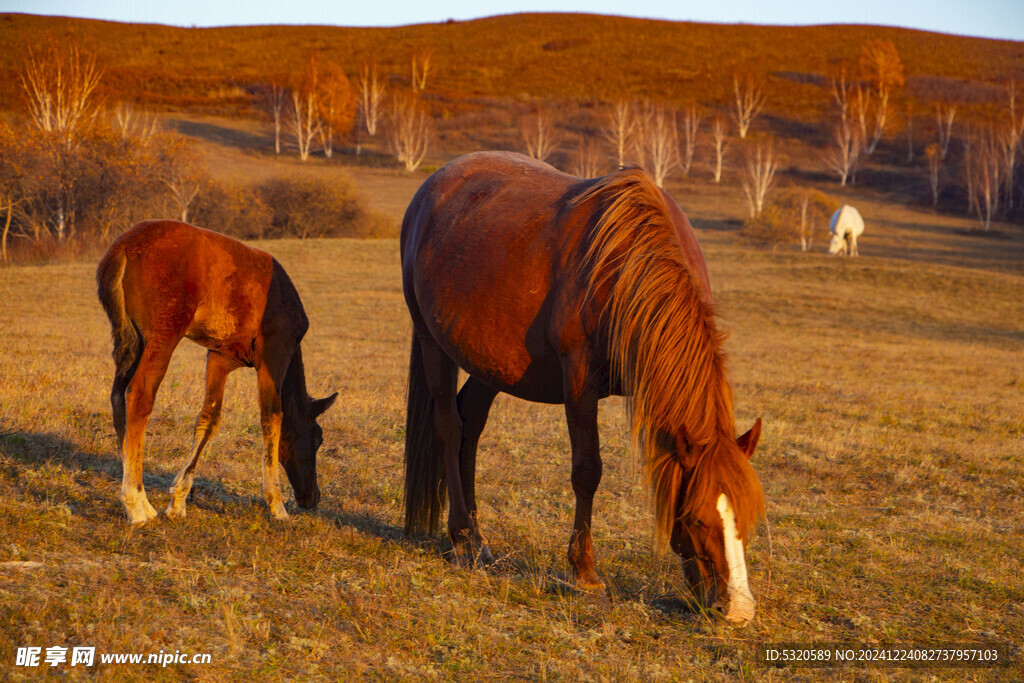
{"x": 109, "y": 279}
{"x": 425, "y": 487}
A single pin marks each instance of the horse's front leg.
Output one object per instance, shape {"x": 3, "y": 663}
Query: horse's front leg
{"x": 269, "y": 384}
{"x": 217, "y": 369}
{"x": 581, "y": 417}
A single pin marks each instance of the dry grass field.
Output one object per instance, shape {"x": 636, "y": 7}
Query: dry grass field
{"x": 891, "y": 388}
{"x": 891, "y": 392}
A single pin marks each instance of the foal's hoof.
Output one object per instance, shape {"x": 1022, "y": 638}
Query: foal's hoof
{"x": 174, "y": 513}
{"x": 590, "y": 582}
{"x": 139, "y": 512}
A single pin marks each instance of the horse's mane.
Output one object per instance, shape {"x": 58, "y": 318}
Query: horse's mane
{"x": 666, "y": 351}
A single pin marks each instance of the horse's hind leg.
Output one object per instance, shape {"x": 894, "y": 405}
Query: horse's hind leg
{"x": 581, "y": 417}
{"x": 217, "y": 369}
{"x": 139, "y": 396}
{"x": 474, "y": 404}
{"x": 442, "y": 377}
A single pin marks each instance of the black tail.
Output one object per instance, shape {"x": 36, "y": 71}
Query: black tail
{"x": 109, "y": 280}
{"x": 425, "y": 487}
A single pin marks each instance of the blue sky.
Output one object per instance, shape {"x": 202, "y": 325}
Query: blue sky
{"x": 987, "y": 18}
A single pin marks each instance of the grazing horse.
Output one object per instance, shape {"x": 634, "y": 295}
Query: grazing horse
{"x": 163, "y": 280}
{"x": 560, "y": 290}
{"x": 846, "y": 226}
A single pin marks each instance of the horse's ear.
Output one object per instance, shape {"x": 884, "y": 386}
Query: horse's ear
{"x": 748, "y": 442}
{"x": 320, "y": 405}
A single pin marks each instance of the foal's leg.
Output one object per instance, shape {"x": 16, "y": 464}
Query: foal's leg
{"x": 581, "y": 417}
{"x": 217, "y": 369}
{"x": 139, "y": 396}
{"x": 442, "y": 377}
{"x": 853, "y": 245}
{"x": 269, "y": 377}
{"x": 474, "y": 403}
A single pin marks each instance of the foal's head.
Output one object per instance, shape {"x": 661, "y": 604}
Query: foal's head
{"x": 301, "y": 438}
{"x": 718, "y": 504}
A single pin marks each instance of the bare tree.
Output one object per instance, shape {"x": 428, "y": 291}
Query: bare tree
{"x": 539, "y": 134}
{"x": 659, "y": 142}
{"x": 182, "y": 171}
{"x": 808, "y": 207}
{"x": 12, "y": 175}
{"x": 60, "y": 81}
{"x": 587, "y": 161}
{"x": 275, "y": 101}
{"x": 908, "y": 122}
{"x": 861, "y": 108}
{"x": 841, "y": 88}
{"x": 719, "y": 141}
{"x": 691, "y": 126}
{"x": 421, "y": 69}
{"x": 749, "y": 101}
{"x": 967, "y": 169}
{"x": 409, "y": 131}
{"x": 1010, "y": 142}
{"x": 133, "y": 123}
{"x": 945, "y": 115}
{"x": 621, "y": 129}
{"x": 761, "y": 165}
{"x": 306, "y": 107}
{"x": 984, "y": 170}
{"x": 881, "y": 66}
{"x": 371, "y": 97}
{"x": 933, "y": 157}
{"x": 337, "y": 104}
{"x": 844, "y": 154}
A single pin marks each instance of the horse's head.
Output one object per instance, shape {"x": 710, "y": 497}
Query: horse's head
{"x": 715, "y": 512}
{"x": 837, "y": 244}
{"x": 301, "y": 438}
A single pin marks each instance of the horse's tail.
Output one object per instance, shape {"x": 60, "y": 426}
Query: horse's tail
{"x": 110, "y": 282}
{"x": 425, "y": 487}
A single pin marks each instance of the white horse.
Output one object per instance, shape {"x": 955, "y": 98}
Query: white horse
{"x": 846, "y": 226}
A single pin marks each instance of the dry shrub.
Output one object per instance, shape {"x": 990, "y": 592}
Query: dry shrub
{"x": 306, "y": 207}
{"x": 234, "y": 210}
{"x": 797, "y": 214}
{"x": 770, "y": 228}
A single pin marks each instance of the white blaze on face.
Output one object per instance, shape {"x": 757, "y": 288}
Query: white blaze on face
{"x": 741, "y": 601}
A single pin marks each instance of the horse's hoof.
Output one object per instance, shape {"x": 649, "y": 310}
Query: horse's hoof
{"x": 590, "y": 582}
{"x": 484, "y": 558}
{"x": 174, "y": 513}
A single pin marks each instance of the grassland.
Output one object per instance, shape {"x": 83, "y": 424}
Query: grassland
{"x": 891, "y": 387}
{"x": 892, "y": 463}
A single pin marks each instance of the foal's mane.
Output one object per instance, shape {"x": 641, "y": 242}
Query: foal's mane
{"x": 666, "y": 350}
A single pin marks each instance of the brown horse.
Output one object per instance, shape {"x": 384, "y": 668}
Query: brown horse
{"x": 163, "y": 280}
{"x": 561, "y": 290}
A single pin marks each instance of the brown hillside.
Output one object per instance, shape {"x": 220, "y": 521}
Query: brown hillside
{"x": 558, "y": 56}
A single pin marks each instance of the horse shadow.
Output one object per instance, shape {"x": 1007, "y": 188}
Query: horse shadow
{"x": 30, "y": 458}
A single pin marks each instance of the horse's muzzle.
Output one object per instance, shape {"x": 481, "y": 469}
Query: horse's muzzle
{"x": 310, "y": 501}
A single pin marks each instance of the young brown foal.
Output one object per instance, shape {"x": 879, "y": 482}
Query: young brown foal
{"x": 162, "y": 281}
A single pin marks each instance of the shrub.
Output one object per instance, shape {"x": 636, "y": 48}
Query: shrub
{"x": 306, "y": 207}
{"x": 233, "y": 210}
{"x": 770, "y": 228}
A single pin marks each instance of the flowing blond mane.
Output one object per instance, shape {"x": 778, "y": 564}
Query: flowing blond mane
{"x": 666, "y": 350}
